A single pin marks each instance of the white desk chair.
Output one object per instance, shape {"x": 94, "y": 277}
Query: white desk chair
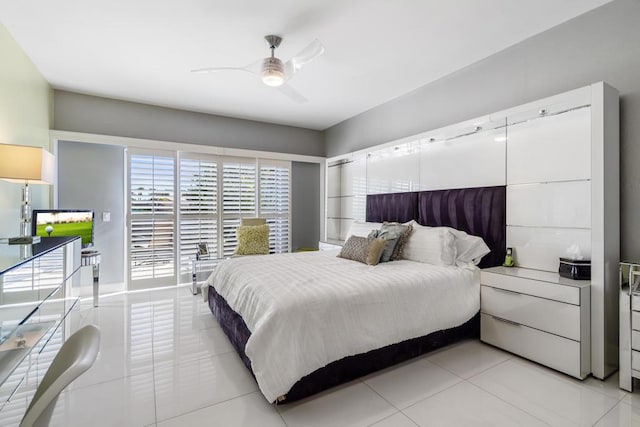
{"x": 76, "y": 355}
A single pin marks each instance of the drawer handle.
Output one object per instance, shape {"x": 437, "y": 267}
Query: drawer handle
{"x": 507, "y": 291}
{"x": 506, "y": 321}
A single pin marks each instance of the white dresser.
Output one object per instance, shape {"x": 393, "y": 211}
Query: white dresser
{"x": 629, "y": 324}
{"x": 538, "y": 315}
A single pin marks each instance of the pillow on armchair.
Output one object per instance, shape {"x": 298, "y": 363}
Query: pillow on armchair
{"x": 252, "y": 240}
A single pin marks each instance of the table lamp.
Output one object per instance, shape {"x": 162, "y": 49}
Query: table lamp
{"x": 27, "y": 165}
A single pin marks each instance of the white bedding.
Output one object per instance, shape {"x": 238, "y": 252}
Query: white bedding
{"x": 306, "y": 310}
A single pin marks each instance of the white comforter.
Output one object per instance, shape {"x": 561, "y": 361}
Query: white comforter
{"x": 306, "y": 310}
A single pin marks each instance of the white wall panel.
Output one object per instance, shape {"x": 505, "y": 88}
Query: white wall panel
{"x": 346, "y": 207}
{"x": 557, "y": 204}
{"x": 354, "y": 177}
{"x": 345, "y": 225}
{"x": 333, "y": 207}
{"x": 391, "y": 172}
{"x": 346, "y": 179}
{"x": 476, "y": 160}
{"x": 333, "y": 229}
{"x": 333, "y": 180}
{"x": 540, "y": 248}
{"x": 553, "y": 148}
{"x": 360, "y": 207}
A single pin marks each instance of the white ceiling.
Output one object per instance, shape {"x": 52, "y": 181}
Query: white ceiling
{"x": 376, "y": 50}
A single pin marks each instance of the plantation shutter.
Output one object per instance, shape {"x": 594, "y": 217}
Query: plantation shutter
{"x": 198, "y": 220}
{"x": 275, "y": 194}
{"x": 238, "y": 198}
{"x": 152, "y": 219}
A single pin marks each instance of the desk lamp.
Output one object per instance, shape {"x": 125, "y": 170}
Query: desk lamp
{"x": 27, "y": 165}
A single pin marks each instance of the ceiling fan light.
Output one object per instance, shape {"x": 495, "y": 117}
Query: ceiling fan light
{"x": 272, "y": 72}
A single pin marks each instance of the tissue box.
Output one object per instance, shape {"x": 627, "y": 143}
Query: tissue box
{"x": 575, "y": 269}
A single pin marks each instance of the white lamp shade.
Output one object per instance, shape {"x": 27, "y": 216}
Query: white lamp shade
{"x": 23, "y": 163}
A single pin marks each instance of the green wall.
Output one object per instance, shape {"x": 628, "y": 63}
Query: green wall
{"x": 26, "y": 112}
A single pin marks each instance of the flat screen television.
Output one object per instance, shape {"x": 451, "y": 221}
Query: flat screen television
{"x": 64, "y": 222}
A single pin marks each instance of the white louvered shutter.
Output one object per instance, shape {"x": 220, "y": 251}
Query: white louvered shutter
{"x": 238, "y": 198}
{"x": 198, "y": 221}
{"x": 275, "y": 195}
{"x": 152, "y": 219}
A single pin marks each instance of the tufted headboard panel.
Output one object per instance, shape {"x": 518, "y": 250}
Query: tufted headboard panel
{"x": 480, "y": 211}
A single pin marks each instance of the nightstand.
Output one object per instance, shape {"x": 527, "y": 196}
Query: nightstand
{"x": 538, "y": 315}
{"x": 329, "y": 245}
{"x": 201, "y": 269}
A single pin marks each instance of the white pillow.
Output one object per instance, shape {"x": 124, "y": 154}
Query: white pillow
{"x": 430, "y": 245}
{"x": 469, "y": 249}
{"x": 362, "y": 229}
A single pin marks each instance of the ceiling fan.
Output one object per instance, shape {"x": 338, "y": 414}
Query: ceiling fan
{"x": 273, "y": 71}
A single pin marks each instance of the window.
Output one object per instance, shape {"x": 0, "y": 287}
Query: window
{"x": 213, "y": 194}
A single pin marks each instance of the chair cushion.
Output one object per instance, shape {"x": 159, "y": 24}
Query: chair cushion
{"x": 252, "y": 240}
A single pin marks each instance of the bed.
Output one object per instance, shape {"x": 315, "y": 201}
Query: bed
{"x": 306, "y": 322}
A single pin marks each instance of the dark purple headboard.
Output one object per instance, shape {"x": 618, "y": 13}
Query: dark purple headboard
{"x": 393, "y": 207}
{"x": 478, "y": 211}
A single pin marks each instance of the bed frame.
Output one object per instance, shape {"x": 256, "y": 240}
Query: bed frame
{"x": 477, "y": 211}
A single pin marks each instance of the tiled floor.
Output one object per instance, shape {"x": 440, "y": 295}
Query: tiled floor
{"x": 164, "y": 361}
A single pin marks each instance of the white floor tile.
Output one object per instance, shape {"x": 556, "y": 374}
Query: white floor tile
{"x": 555, "y": 400}
{"x": 468, "y": 358}
{"x": 622, "y": 415}
{"x": 632, "y": 398}
{"x": 125, "y": 343}
{"x": 196, "y": 384}
{"x": 351, "y": 405}
{"x": 396, "y": 420}
{"x": 122, "y": 402}
{"x": 411, "y": 382}
{"x": 466, "y": 405}
{"x": 178, "y": 344}
{"x": 245, "y": 411}
{"x": 609, "y": 387}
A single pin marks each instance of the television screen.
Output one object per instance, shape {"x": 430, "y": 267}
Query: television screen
{"x": 57, "y": 223}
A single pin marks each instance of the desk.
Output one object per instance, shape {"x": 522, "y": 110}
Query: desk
{"x": 33, "y": 307}
{"x": 92, "y": 258}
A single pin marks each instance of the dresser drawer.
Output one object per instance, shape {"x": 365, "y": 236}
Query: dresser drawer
{"x": 552, "y": 291}
{"x": 635, "y": 340}
{"x": 635, "y": 360}
{"x": 635, "y": 302}
{"x": 551, "y": 350}
{"x": 551, "y": 316}
{"x": 635, "y": 320}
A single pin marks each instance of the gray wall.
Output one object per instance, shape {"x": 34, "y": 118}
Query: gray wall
{"x": 92, "y": 114}
{"x": 91, "y": 176}
{"x": 305, "y": 215}
{"x": 603, "y": 44}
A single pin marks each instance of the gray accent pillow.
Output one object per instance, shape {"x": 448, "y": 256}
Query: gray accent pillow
{"x": 404, "y": 230}
{"x": 391, "y": 238}
{"x": 362, "y": 249}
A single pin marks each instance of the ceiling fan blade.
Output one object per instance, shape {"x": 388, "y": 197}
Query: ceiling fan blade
{"x": 306, "y": 55}
{"x": 254, "y": 67}
{"x": 292, "y": 94}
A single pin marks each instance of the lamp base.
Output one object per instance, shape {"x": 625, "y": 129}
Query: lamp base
{"x": 23, "y": 240}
